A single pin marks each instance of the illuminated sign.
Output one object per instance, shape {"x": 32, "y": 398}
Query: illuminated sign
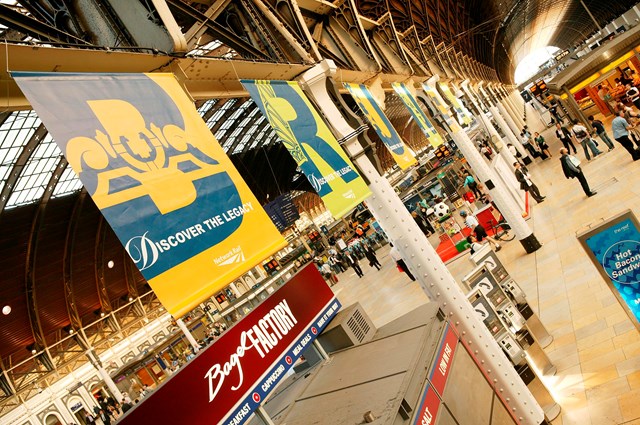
{"x": 227, "y": 381}
{"x": 614, "y": 248}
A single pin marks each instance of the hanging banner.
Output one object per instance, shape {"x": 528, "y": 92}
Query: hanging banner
{"x": 418, "y": 114}
{"x": 389, "y": 136}
{"x": 465, "y": 117}
{"x": 229, "y": 380}
{"x": 614, "y": 248}
{"x": 439, "y": 103}
{"x": 159, "y": 177}
{"x": 310, "y": 143}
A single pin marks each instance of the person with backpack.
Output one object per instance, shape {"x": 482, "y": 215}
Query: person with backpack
{"x": 564, "y": 136}
{"x": 478, "y": 229}
{"x": 621, "y": 129}
{"x": 599, "y": 129}
{"x": 471, "y": 183}
{"x": 582, "y": 136}
{"x": 474, "y": 244}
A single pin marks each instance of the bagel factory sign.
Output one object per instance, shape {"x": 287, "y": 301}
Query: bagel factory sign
{"x": 226, "y": 382}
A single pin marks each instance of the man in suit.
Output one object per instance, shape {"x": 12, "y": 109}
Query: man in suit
{"x": 105, "y": 417}
{"x": 353, "y": 262}
{"x": 522, "y": 175}
{"x": 571, "y": 169}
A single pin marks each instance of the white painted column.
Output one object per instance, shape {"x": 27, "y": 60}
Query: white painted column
{"x": 512, "y": 138}
{"x": 97, "y": 364}
{"x": 486, "y": 122}
{"x": 501, "y": 197}
{"x": 518, "y": 112}
{"x": 423, "y": 261}
{"x": 508, "y": 119}
{"x": 185, "y": 330}
{"x": 64, "y": 410}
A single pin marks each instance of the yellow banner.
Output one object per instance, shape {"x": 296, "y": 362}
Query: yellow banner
{"x": 418, "y": 114}
{"x": 439, "y": 103}
{"x": 463, "y": 113}
{"x": 389, "y": 136}
{"x": 310, "y": 143}
{"x": 180, "y": 208}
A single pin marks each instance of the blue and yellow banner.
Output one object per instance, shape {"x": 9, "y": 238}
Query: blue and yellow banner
{"x": 440, "y": 104}
{"x": 465, "y": 117}
{"x": 389, "y": 136}
{"x": 162, "y": 181}
{"x": 418, "y": 114}
{"x": 310, "y": 143}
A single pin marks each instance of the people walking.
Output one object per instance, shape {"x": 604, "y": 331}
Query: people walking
{"x": 371, "y": 256}
{"x": 582, "y": 136}
{"x": 402, "y": 266}
{"x": 571, "y": 169}
{"x": 621, "y": 128}
{"x": 352, "y": 260}
{"x": 565, "y": 137}
{"x": 542, "y": 144}
{"x": 522, "y": 175}
{"x": 526, "y": 143}
{"x": 599, "y": 129}
{"x": 472, "y": 223}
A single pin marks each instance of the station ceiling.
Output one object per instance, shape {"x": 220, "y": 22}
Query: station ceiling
{"x": 55, "y": 244}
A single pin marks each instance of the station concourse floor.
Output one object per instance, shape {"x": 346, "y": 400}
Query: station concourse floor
{"x": 596, "y": 347}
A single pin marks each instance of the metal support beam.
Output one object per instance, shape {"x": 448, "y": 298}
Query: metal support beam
{"x": 34, "y": 28}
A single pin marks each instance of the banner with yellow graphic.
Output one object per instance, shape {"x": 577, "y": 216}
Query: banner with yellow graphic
{"x": 389, "y": 136}
{"x": 418, "y": 114}
{"x": 465, "y": 117}
{"x": 160, "y": 178}
{"x": 310, "y": 143}
{"x": 439, "y": 103}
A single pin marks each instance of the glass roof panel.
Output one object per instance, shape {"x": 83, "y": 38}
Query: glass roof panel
{"x": 68, "y": 183}
{"x": 14, "y": 134}
{"x": 206, "y": 106}
{"x": 220, "y": 112}
{"x": 36, "y": 173}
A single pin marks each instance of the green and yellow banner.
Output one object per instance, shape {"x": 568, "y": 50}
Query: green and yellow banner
{"x": 310, "y": 143}
{"x": 389, "y": 136}
{"x": 465, "y": 116}
{"x": 172, "y": 196}
{"x": 440, "y": 104}
{"x": 418, "y": 114}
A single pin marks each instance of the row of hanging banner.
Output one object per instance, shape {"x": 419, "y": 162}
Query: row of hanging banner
{"x": 165, "y": 185}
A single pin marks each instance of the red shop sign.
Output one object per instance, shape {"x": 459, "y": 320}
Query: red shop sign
{"x": 226, "y": 382}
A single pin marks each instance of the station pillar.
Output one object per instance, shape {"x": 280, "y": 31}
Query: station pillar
{"x": 421, "y": 258}
{"x": 501, "y": 197}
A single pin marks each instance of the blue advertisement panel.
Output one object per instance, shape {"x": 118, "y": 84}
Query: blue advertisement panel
{"x": 614, "y": 248}
{"x": 154, "y": 169}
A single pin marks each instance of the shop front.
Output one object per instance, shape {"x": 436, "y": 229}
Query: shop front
{"x": 609, "y": 85}
{"x": 595, "y": 83}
